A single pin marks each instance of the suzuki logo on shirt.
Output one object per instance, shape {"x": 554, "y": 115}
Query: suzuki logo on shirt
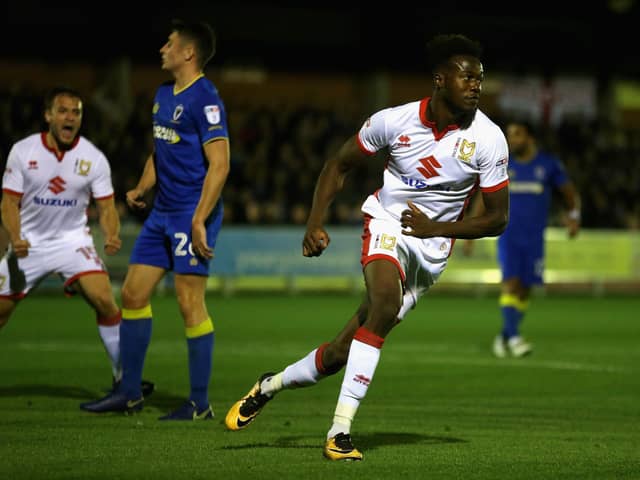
{"x": 56, "y": 185}
{"x": 429, "y": 166}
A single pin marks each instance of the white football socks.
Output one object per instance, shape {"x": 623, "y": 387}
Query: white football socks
{"x": 110, "y": 335}
{"x": 361, "y": 365}
{"x": 271, "y": 385}
{"x": 302, "y": 373}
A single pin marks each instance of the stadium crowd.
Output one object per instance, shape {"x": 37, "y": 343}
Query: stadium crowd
{"x": 277, "y": 152}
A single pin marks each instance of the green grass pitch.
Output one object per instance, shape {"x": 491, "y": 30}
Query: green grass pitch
{"x": 439, "y": 407}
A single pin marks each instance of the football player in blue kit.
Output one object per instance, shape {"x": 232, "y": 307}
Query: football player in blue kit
{"x": 188, "y": 168}
{"x": 534, "y": 175}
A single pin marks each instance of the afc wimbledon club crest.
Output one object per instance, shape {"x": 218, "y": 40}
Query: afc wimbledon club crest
{"x": 466, "y": 150}
{"x": 177, "y": 112}
{"x": 83, "y": 167}
{"x": 213, "y": 114}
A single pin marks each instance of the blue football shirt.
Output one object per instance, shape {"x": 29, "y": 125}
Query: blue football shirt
{"x": 183, "y": 122}
{"x": 530, "y": 191}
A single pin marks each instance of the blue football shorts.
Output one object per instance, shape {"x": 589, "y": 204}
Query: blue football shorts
{"x": 165, "y": 242}
{"x": 522, "y": 258}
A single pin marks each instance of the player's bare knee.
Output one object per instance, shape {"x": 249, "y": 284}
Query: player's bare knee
{"x": 132, "y": 299}
{"x": 6, "y": 309}
{"x": 386, "y": 305}
{"x": 105, "y": 305}
{"x": 361, "y": 314}
{"x": 336, "y": 354}
{"x": 185, "y": 302}
{"x": 5, "y": 314}
{"x": 192, "y": 308}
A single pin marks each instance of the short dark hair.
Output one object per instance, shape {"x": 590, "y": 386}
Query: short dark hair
{"x": 442, "y": 47}
{"x": 201, "y": 34}
{"x": 524, "y": 122}
{"x": 53, "y": 92}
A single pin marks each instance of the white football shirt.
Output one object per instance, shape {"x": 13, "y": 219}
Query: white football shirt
{"x": 55, "y": 191}
{"x": 437, "y": 170}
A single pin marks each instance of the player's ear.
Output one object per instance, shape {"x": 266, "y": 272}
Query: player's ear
{"x": 189, "y": 53}
{"x": 438, "y": 80}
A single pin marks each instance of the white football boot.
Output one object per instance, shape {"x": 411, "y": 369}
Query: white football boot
{"x": 519, "y": 347}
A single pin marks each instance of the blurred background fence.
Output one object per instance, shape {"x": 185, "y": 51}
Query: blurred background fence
{"x": 251, "y": 258}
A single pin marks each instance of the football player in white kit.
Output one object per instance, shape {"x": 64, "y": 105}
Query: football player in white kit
{"x": 47, "y": 186}
{"x": 440, "y": 150}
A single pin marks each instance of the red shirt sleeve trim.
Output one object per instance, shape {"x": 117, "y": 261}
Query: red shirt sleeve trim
{"x": 495, "y": 188}
{"x": 363, "y": 149}
{"x": 12, "y": 192}
{"x": 104, "y": 198}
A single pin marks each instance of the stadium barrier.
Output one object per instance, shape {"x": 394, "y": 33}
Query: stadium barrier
{"x": 249, "y": 258}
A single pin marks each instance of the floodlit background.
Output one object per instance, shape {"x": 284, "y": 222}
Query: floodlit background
{"x": 297, "y": 80}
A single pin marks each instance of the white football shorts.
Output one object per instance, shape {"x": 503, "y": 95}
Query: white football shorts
{"x": 70, "y": 258}
{"x": 419, "y": 261}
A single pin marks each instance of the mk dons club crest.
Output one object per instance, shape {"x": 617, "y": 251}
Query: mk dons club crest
{"x": 466, "y": 150}
{"x": 82, "y": 167}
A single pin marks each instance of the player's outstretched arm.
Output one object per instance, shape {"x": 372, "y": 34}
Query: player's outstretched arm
{"x": 491, "y": 222}
{"x": 110, "y": 224}
{"x": 572, "y": 203}
{"x": 145, "y": 183}
{"x": 4, "y": 240}
{"x": 329, "y": 183}
{"x": 10, "y": 207}
{"x": 217, "y": 153}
